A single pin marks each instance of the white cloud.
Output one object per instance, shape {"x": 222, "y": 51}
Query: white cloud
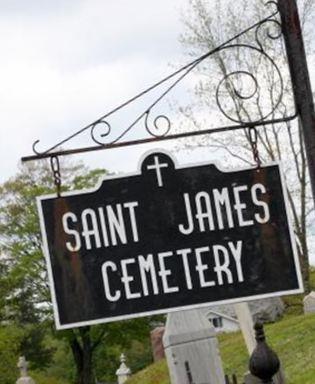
{"x": 66, "y": 64}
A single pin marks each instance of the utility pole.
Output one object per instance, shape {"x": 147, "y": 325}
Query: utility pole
{"x": 303, "y": 95}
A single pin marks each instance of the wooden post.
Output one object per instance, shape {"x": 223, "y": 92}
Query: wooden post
{"x": 246, "y": 324}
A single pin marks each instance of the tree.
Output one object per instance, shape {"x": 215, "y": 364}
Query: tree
{"x": 243, "y": 84}
{"x": 24, "y": 275}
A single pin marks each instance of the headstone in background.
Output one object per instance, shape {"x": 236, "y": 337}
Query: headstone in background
{"x": 191, "y": 349}
{"x": 123, "y": 373}
{"x": 157, "y": 343}
{"x": 24, "y": 378}
{"x": 265, "y": 310}
{"x": 309, "y": 303}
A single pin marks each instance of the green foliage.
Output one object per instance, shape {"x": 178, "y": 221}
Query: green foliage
{"x": 121, "y": 337}
{"x": 154, "y": 374}
{"x": 10, "y": 339}
{"x": 294, "y": 303}
{"x": 140, "y": 354}
{"x": 62, "y": 366}
{"x": 34, "y": 347}
{"x": 42, "y": 378}
{"x": 24, "y": 298}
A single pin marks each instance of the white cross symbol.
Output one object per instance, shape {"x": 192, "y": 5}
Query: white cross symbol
{"x": 157, "y": 166}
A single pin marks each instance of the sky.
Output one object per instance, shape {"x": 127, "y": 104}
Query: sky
{"x": 65, "y": 63}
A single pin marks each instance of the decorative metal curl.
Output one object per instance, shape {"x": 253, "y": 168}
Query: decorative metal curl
{"x": 268, "y": 32}
{"x": 100, "y": 129}
{"x": 96, "y": 135}
{"x": 157, "y": 130}
{"x": 230, "y": 86}
{"x": 34, "y": 148}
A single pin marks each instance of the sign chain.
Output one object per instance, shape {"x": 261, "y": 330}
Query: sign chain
{"x": 55, "y": 167}
{"x": 253, "y": 139}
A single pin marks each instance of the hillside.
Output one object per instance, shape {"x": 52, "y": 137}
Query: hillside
{"x": 293, "y": 338}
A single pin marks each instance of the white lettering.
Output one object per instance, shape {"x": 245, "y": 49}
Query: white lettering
{"x": 260, "y": 203}
{"x": 237, "y": 254}
{"x": 126, "y": 279}
{"x": 222, "y": 199}
{"x": 147, "y": 265}
{"x": 200, "y": 267}
{"x": 241, "y": 206}
{"x": 103, "y": 226}
{"x": 165, "y": 272}
{"x": 116, "y": 224}
{"x": 109, "y": 296}
{"x": 222, "y": 268}
{"x": 190, "y": 222}
{"x": 202, "y": 198}
{"x": 184, "y": 253}
{"x": 89, "y": 215}
{"x": 131, "y": 206}
{"x": 77, "y": 245}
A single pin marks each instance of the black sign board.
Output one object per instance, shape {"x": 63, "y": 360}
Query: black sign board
{"x": 168, "y": 238}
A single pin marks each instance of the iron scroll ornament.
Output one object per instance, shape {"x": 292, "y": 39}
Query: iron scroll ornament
{"x": 159, "y": 127}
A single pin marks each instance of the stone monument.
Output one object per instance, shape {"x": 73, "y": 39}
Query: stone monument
{"x": 24, "y": 378}
{"x": 123, "y": 372}
{"x": 156, "y": 337}
{"x": 191, "y": 349}
{"x": 309, "y": 303}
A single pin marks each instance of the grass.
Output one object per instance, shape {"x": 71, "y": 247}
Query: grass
{"x": 293, "y": 338}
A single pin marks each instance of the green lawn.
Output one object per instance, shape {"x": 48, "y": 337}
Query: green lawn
{"x": 293, "y": 338}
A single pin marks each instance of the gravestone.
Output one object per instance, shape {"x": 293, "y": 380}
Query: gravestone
{"x": 24, "y": 379}
{"x": 157, "y": 343}
{"x": 265, "y": 310}
{"x": 123, "y": 373}
{"x": 309, "y": 303}
{"x": 191, "y": 349}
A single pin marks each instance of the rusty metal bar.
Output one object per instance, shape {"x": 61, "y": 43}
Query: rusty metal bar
{"x": 302, "y": 90}
{"x": 48, "y": 154}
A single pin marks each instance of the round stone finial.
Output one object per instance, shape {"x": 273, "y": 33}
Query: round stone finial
{"x": 264, "y": 362}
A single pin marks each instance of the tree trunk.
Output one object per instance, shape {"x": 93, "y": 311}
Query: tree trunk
{"x": 82, "y": 353}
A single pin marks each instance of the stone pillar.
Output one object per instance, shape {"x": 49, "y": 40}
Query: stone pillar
{"x": 157, "y": 343}
{"x": 191, "y": 349}
{"x": 123, "y": 372}
{"x": 24, "y": 378}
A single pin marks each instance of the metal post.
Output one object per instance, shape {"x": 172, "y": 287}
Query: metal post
{"x": 303, "y": 96}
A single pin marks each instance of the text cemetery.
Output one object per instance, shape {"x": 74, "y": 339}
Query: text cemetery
{"x": 114, "y": 222}
{"x": 167, "y": 238}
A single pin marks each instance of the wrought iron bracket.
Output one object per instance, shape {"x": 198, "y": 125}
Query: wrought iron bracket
{"x": 100, "y": 130}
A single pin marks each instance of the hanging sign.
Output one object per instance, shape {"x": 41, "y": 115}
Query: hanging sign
{"x": 168, "y": 238}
